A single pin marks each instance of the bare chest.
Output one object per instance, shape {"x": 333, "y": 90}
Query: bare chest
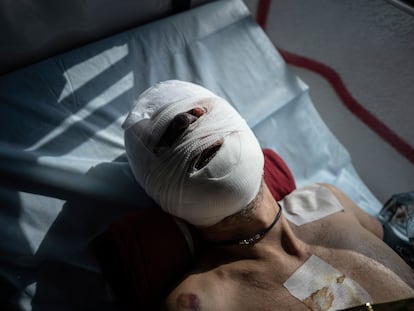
{"x": 255, "y": 291}
{"x": 261, "y": 287}
{"x": 338, "y": 232}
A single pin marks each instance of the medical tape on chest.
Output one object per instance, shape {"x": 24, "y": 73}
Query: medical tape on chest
{"x": 309, "y": 204}
{"x": 321, "y": 287}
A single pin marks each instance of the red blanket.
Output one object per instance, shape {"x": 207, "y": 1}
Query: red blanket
{"x": 144, "y": 253}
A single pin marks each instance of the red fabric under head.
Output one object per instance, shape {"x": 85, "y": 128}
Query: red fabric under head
{"x": 277, "y": 175}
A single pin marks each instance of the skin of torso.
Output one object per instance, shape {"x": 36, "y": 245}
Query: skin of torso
{"x": 221, "y": 280}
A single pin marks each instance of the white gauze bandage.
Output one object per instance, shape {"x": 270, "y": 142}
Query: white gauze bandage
{"x": 205, "y": 196}
{"x": 321, "y": 287}
{"x": 310, "y": 203}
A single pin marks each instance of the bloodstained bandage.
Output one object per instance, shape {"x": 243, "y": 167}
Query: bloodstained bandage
{"x": 321, "y": 287}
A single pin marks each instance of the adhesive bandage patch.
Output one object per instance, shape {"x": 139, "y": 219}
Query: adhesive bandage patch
{"x": 309, "y": 203}
{"x": 321, "y": 287}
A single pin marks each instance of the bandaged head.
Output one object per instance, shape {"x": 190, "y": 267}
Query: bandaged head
{"x": 171, "y": 174}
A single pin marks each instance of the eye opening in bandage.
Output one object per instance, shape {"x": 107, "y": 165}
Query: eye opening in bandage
{"x": 178, "y": 126}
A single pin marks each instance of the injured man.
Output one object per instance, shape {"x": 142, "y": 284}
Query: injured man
{"x": 315, "y": 249}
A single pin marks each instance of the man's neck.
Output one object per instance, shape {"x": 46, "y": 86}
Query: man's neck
{"x": 280, "y": 239}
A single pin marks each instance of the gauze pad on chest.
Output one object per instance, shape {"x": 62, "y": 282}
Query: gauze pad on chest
{"x": 321, "y": 287}
{"x": 205, "y": 196}
{"x": 310, "y": 203}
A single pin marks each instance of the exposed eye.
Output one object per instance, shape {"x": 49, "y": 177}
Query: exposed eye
{"x": 207, "y": 155}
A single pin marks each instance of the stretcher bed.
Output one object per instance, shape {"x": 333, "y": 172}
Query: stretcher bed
{"x": 65, "y": 176}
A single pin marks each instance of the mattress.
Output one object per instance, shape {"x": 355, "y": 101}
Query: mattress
{"x": 65, "y": 176}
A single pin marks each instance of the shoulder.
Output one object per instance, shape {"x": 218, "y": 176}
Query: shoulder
{"x": 317, "y": 201}
{"x": 347, "y": 204}
{"x": 366, "y": 220}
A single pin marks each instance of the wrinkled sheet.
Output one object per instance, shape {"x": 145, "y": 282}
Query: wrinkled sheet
{"x": 65, "y": 113}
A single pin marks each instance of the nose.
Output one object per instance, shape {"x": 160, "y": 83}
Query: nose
{"x": 180, "y": 124}
{"x": 177, "y": 127}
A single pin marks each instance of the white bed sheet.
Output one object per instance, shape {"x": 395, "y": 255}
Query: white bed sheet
{"x": 65, "y": 114}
